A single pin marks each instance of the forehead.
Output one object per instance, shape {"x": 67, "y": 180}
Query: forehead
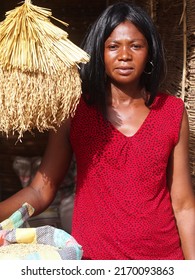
{"x": 126, "y": 30}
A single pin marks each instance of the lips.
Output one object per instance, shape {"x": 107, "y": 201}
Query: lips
{"x": 124, "y": 70}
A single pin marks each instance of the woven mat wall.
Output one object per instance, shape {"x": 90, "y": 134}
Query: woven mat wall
{"x": 177, "y": 28}
{"x": 190, "y": 79}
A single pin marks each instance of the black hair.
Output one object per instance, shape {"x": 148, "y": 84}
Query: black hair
{"x": 93, "y": 73}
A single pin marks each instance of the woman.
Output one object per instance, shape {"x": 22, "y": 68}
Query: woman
{"x": 134, "y": 198}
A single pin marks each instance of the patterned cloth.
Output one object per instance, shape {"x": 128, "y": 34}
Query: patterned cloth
{"x": 10, "y": 233}
{"x": 18, "y": 218}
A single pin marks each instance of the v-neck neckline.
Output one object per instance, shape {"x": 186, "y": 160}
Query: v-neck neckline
{"x": 138, "y": 130}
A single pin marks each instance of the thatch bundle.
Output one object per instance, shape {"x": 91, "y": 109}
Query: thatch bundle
{"x": 39, "y": 80}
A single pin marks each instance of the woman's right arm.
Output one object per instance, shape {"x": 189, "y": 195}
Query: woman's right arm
{"x": 42, "y": 190}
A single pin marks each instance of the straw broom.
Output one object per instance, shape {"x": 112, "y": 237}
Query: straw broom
{"x": 39, "y": 81}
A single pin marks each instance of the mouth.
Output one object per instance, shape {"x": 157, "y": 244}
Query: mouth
{"x": 124, "y": 70}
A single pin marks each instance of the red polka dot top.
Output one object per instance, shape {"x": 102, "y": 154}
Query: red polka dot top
{"x": 122, "y": 206}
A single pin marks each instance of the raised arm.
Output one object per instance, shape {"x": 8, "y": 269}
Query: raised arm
{"x": 42, "y": 190}
{"x": 182, "y": 195}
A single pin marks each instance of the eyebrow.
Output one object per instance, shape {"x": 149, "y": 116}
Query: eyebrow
{"x": 132, "y": 40}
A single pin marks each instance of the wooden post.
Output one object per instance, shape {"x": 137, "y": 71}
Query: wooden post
{"x": 183, "y": 18}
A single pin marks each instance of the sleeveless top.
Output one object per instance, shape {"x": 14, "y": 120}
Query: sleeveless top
{"x": 122, "y": 207}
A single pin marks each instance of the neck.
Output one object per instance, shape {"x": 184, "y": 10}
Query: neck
{"x": 118, "y": 96}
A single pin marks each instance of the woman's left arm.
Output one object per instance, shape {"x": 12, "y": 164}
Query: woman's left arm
{"x": 182, "y": 195}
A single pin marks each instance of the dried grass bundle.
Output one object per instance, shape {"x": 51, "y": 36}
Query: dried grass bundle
{"x": 39, "y": 80}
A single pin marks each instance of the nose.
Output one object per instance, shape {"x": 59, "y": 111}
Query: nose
{"x": 125, "y": 53}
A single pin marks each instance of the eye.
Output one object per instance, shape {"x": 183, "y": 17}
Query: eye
{"x": 112, "y": 47}
{"x": 136, "y": 46}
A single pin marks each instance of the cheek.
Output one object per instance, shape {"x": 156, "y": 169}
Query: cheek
{"x": 109, "y": 61}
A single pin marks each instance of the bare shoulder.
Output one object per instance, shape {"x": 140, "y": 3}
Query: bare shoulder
{"x": 58, "y": 142}
{"x": 60, "y": 135}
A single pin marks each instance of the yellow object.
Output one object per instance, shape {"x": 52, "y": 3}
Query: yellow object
{"x": 26, "y": 235}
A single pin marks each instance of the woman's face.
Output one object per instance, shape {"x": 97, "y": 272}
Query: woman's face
{"x": 125, "y": 54}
